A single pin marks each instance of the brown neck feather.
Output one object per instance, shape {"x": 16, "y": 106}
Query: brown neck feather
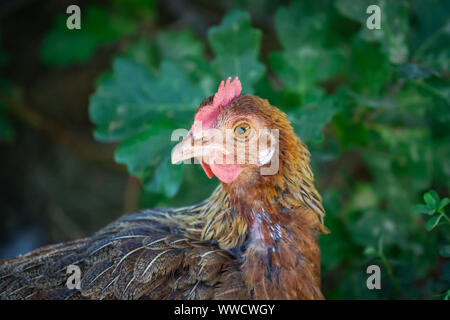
{"x": 267, "y": 202}
{"x": 284, "y": 215}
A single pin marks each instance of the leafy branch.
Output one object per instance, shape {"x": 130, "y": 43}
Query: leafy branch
{"x": 434, "y": 207}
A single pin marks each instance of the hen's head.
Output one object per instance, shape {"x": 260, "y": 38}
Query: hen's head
{"x": 237, "y": 136}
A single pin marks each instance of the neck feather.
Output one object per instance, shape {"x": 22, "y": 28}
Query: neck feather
{"x": 269, "y": 203}
{"x": 276, "y": 219}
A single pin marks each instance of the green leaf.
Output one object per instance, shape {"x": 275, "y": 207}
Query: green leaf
{"x": 423, "y": 209}
{"x": 144, "y": 150}
{"x": 301, "y": 70}
{"x": 432, "y": 222}
{"x": 305, "y": 60}
{"x": 432, "y": 199}
{"x": 63, "y": 47}
{"x": 142, "y": 52}
{"x": 245, "y": 66}
{"x": 133, "y": 99}
{"x": 235, "y": 35}
{"x": 294, "y": 28}
{"x": 443, "y": 203}
{"x": 166, "y": 180}
{"x": 309, "y": 120}
{"x": 188, "y": 52}
{"x": 179, "y": 45}
{"x": 355, "y": 10}
{"x": 374, "y": 68}
{"x": 141, "y": 110}
{"x": 236, "y": 46}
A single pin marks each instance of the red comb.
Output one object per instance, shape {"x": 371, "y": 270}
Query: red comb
{"x": 227, "y": 92}
{"x": 207, "y": 115}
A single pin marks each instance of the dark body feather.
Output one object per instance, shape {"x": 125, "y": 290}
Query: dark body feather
{"x": 153, "y": 254}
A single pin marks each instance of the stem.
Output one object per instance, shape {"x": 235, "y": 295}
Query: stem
{"x": 427, "y": 43}
{"x": 388, "y": 267}
{"x": 445, "y": 216}
{"x": 431, "y": 90}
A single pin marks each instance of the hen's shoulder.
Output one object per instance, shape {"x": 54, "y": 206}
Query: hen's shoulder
{"x": 146, "y": 255}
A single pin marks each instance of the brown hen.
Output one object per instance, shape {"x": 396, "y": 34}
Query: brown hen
{"x": 255, "y": 237}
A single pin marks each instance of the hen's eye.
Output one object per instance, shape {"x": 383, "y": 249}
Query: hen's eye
{"x": 242, "y": 129}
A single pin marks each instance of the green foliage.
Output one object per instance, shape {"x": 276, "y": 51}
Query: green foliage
{"x": 142, "y": 109}
{"x": 394, "y": 19}
{"x": 304, "y": 39}
{"x": 372, "y": 105}
{"x": 433, "y": 204}
{"x": 236, "y": 47}
{"x": 64, "y": 47}
{"x": 434, "y": 207}
{"x": 310, "y": 119}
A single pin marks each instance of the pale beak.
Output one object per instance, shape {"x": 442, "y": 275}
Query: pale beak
{"x": 209, "y": 152}
{"x": 203, "y": 149}
{"x": 186, "y": 149}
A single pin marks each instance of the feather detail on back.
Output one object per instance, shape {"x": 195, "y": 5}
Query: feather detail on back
{"x": 153, "y": 254}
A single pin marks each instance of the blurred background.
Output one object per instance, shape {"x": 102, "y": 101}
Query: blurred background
{"x": 86, "y": 116}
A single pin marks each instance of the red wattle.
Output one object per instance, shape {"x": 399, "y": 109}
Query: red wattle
{"x": 226, "y": 173}
{"x": 207, "y": 170}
